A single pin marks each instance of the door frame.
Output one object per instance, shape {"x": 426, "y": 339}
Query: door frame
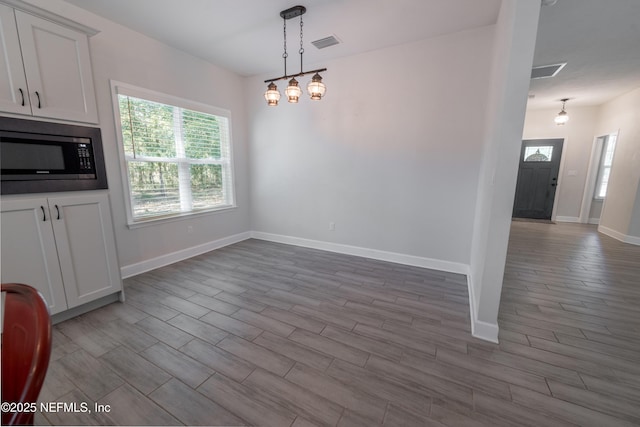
{"x": 554, "y": 210}
{"x": 592, "y": 176}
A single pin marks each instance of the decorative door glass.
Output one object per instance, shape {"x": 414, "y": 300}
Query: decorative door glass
{"x": 538, "y": 154}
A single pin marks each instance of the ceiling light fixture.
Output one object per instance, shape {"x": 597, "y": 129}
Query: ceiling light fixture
{"x": 315, "y": 88}
{"x": 562, "y": 116}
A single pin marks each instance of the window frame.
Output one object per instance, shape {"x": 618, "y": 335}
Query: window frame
{"x": 120, "y": 88}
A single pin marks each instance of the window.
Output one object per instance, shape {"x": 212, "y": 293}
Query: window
{"x": 177, "y": 154}
{"x": 604, "y": 170}
{"x": 538, "y": 154}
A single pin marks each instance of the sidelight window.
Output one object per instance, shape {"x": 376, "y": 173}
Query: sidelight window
{"x": 604, "y": 169}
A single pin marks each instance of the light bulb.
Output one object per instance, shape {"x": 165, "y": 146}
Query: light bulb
{"x": 316, "y": 88}
{"x": 293, "y": 91}
{"x": 272, "y": 95}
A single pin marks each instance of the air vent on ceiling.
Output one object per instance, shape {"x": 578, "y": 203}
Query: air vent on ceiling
{"x": 326, "y": 42}
{"x": 545, "y": 71}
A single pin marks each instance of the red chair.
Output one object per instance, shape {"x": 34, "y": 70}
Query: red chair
{"x": 26, "y": 349}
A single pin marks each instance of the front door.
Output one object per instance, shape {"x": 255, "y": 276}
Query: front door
{"x": 537, "y": 178}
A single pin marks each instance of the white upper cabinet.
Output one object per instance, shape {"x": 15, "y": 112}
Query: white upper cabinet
{"x": 13, "y": 83}
{"x": 46, "y": 67}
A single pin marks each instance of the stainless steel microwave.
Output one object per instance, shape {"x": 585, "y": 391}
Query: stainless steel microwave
{"x": 40, "y": 157}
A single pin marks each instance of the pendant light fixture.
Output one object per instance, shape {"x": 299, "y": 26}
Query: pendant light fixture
{"x": 562, "y": 116}
{"x": 315, "y": 88}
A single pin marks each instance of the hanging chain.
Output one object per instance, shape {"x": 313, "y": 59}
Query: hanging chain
{"x": 285, "y": 54}
{"x": 301, "y": 51}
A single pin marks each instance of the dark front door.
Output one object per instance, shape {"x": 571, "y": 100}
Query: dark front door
{"x": 537, "y": 178}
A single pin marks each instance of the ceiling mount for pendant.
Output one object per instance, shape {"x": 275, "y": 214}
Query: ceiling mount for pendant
{"x": 293, "y": 12}
{"x": 315, "y": 88}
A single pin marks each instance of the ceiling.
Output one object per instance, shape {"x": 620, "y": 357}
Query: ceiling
{"x": 246, "y": 35}
{"x": 599, "y": 40}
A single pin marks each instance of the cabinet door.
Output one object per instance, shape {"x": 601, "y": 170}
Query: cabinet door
{"x": 14, "y": 96}
{"x": 58, "y": 70}
{"x": 86, "y": 247}
{"x": 29, "y": 250}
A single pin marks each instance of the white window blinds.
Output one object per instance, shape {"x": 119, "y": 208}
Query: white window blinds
{"x": 178, "y": 160}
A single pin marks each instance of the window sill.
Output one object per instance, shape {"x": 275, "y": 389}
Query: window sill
{"x": 178, "y": 217}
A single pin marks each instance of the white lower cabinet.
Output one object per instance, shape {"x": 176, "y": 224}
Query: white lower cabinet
{"x": 64, "y": 246}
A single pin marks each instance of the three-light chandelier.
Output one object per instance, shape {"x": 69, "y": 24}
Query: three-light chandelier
{"x": 315, "y": 88}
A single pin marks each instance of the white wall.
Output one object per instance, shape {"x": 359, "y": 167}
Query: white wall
{"x": 621, "y": 211}
{"x": 391, "y": 154}
{"x": 578, "y": 135}
{"x": 121, "y": 54}
{"x": 515, "y": 37}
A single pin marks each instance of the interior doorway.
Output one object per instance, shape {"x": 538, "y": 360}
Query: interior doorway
{"x": 537, "y": 178}
{"x": 596, "y": 185}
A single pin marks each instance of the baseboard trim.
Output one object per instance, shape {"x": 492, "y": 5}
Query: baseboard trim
{"x": 594, "y": 221}
{"x": 164, "y": 260}
{"x": 567, "y": 219}
{"x": 480, "y": 329}
{"x": 415, "y": 261}
{"x": 633, "y": 240}
{"x": 85, "y": 308}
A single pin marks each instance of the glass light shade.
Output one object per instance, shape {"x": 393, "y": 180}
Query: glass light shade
{"x": 316, "y": 88}
{"x": 293, "y": 91}
{"x": 272, "y": 95}
{"x": 561, "y": 118}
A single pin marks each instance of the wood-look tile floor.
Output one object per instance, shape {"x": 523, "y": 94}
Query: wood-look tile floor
{"x": 261, "y": 333}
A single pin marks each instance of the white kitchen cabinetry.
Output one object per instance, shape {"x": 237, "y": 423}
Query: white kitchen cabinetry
{"x": 64, "y": 246}
{"x": 45, "y": 69}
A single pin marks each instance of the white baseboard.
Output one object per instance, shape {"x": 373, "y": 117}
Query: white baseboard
{"x": 619, "y": 236}
{"x": 416, "y": 261}
{"x": 594, "y": 221}
{"x": 480, "y": 329}
{"x": 163, "y": 260}
{"x": 567, "y": 219}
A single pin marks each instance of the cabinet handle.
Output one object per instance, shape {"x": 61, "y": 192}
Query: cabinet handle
{"x": 58, "y": 210}
{"x": 22, "y": 95}
{"x": 38, "y": 95}
{"x": 44, "y": 216}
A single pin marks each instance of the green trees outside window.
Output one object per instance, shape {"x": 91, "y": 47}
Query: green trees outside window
{"x": 178, "y": 160}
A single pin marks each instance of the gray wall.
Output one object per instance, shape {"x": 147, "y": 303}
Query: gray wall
{"x": 620, "y": 213}
{"x": 391, "y": 154}
{"x": 512, "y": 59}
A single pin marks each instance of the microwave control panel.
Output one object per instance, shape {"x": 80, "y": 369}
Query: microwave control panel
{"x": 84, "y": 157}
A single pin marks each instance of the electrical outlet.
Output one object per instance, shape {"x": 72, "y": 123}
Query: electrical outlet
{"x": 332, "y": 226}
